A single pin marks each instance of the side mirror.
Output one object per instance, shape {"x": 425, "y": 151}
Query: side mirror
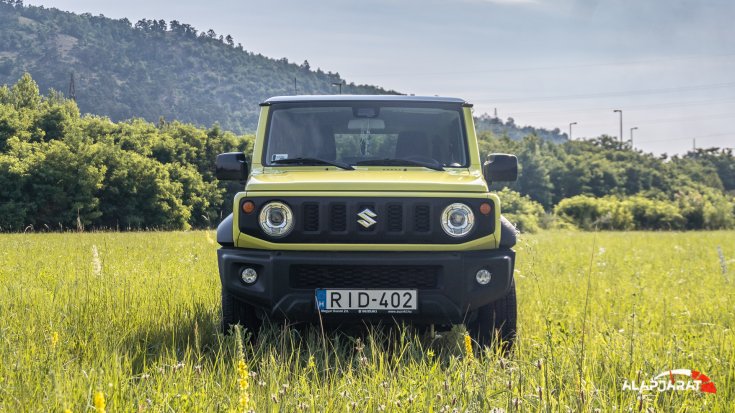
{"x": 231, "y": 166}
{"x": 500, "y": 167}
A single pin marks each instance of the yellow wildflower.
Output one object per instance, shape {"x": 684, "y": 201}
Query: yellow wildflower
{"x": 67, "y": 410}
{"x": 311, "y": 363}
{"x": 242, "y": 373}
{"x": 242, "y": 381}
{"x": 54, "y": 338}
{"x": 99, "y": 402}
{"x": 468, "y": 347}
{"x": 430, "y": 353}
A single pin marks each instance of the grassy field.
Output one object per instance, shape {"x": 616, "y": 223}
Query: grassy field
{"x": 129, "y": 322}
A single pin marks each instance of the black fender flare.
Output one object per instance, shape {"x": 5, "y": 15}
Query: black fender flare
{"x": 508, "y": 233}
{"x": 224, "y": 232}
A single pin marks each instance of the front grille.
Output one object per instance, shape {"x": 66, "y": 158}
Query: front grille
{"x": 338, "y": 218}
{"x": 395, "y": 218}
{"x": 422, "y": 218}
{"x": 389, "y": 220}
{"x": 363, "y": 276}
{"x": 311, "y": 217}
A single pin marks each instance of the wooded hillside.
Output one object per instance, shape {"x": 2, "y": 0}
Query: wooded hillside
{"x": 151, "y": 68}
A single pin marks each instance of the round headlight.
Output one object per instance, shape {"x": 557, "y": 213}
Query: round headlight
{"x": 276, "y": 219}
{"x": 457, "y": 220}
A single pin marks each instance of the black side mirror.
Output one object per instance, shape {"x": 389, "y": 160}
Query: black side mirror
{"x": 231, "y": 166}
{"x": 500, "y": 167}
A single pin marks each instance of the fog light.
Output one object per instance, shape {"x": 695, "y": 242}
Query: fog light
{"x": 249, "y": 275}
{"x": 483, "y": 277}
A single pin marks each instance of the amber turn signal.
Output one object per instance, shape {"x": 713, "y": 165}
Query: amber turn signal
{"x": 248, "y": 207}
{"x": 485, "y": 208}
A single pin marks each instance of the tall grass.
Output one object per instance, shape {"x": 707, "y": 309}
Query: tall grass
{"x": 133, "y": 317}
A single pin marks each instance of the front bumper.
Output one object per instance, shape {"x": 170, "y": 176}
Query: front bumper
{"x": 451, "y": 299}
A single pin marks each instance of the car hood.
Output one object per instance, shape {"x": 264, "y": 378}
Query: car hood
{"x": 398, "y": 180}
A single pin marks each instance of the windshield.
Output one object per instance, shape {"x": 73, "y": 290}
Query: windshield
{"x": 369, "y": 133}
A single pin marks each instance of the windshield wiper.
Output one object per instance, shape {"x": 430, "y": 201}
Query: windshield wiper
{"x": 402, "y": 162}
{"x": 312, "y": 161}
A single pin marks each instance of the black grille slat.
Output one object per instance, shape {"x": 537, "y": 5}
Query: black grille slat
{"x": 338, "y": 218}
{"x": 363, "y": 276}
{"x": 422, "y": 218}
{"x": 395, "y": 218}
{"x": 311, "y": 217}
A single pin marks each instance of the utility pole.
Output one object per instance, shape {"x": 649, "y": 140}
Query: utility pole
{"x": 294, "y": 86}
{"x": 570, "y": 130}
{"x": 694, "y": 144}
{"x": 496, "y": 113}
{"x": 338, "y": 84}
{"x": 72, "y": 88}
{"x": 621, "y": 125}
{"x": 631, "y": 135}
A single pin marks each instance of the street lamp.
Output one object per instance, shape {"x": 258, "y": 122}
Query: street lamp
{"x": 621, "y": 125}
{"x": 338, "y": 84}
{"x": 631, "y": 135}
{"x": 570, "y": 130}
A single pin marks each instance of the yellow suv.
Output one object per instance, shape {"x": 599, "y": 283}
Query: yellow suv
{"x": 368, "y": 208}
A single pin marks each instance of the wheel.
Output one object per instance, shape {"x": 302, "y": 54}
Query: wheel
{"x": 236, "y": 312}
{"x": 497, "y": 320}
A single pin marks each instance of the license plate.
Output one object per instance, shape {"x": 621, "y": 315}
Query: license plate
{"x": 367, "y": 301}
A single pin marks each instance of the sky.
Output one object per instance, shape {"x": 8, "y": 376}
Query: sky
{"x": 669, "y": 65}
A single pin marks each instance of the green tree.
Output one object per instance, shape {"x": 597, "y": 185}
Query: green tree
{"x": 25, "y": 94}
{"x": 533, "y": 179}
{"x": 522, "y": 211}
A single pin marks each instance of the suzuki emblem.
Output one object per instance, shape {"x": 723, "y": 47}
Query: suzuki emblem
{"x": 367, "y": 218}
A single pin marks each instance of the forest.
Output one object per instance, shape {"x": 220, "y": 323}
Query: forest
{"x": 62, "y": 170}
{"x": 601, "y": 184}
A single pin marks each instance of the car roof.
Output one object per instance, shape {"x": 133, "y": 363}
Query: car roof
{"x": 362, "y": 98}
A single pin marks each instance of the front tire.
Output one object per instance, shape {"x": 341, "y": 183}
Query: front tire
{"x": 496, "y": 322}
{"x": 235, "y": 312}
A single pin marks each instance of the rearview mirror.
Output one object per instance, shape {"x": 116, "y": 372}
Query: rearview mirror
{"x": 500, "y": 167}
{"x": 231, "y": 166}
{"x": 366, "y": 124}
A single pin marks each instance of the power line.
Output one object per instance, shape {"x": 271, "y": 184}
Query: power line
{"x": 648, "y": 106}
{"x": 711, "y": 135}
{"x": 670, "y": 120}
{"x": 549, "y": 67}
{"x": 609, "y": 94}
{"x": 687, "y": 119}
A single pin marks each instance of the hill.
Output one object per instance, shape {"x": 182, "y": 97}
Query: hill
{"x": 150, "y": 69}
{"x": 509, "y": 129}
{"x": 153, "y": 69}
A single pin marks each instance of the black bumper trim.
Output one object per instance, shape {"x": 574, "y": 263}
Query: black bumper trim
{"x": 452, "y": 301}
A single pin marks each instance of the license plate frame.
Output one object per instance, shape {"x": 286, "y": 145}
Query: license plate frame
{"x": 366, "y": 301}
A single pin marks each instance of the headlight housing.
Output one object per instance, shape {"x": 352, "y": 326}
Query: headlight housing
{"x": 276, "y": 219}
{"x": 457, "y": 220}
